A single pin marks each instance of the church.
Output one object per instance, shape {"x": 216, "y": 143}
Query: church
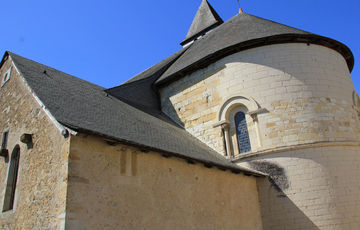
{"x": 252, "y": 125}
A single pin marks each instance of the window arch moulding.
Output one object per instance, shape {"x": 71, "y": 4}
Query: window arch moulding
{"x": 225, "y": 117}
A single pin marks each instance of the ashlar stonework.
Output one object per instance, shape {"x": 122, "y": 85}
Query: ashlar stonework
{"x": 161, "y": 151}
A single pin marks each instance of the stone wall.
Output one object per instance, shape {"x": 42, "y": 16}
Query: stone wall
{"x": 42, "y": 176}
{"x": 308, "y": 129}
{"x": 306, "y": 91}
{"x": 311, "y": 188}
{"x": 119, "y": 187}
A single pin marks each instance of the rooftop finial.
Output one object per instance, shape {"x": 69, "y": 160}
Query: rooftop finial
{"x": 240, "y": 10}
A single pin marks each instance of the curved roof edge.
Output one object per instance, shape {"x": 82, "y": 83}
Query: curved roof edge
{"x": 254, "y": 43}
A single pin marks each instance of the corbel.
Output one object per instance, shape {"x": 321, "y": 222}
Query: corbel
{"x": 4, "y": 153}
{"x": 26, "y": 138}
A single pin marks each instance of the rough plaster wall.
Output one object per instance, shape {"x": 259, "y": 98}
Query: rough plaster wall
{"x": 315, "y": 188}
{"x": 42, "y": 178}
{"x": 307, "y": 91}
{"x": 120, "y": 187}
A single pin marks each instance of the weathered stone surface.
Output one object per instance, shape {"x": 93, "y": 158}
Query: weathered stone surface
{"x": 42, "y": 176}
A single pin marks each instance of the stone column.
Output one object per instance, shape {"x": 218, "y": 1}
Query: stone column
{"x": 225, "y": 128}
{"x": 257, "y": 129}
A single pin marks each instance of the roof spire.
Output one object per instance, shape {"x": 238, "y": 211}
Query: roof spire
{"x": 205, "y": 20}
{"x": 240, "y": 10}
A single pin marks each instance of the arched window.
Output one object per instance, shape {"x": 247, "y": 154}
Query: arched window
{"x": 242, "y": 133}
{"x": 11, "y": 180}
{"x": 238, "y": 119}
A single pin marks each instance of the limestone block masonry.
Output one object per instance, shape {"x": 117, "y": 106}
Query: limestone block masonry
{"x": 306, "y": 89}
{"x": 313, "y": 188}
{"x": 306, "y": 94}
{"x": 41, "y": 188}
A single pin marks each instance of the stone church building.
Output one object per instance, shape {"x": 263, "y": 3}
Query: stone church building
{"x": 251, "y": 125}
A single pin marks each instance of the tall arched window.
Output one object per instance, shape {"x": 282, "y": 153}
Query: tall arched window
{"x": 11, "y": 180}
{"x": 238, "y": 120}
{"x": 242, "y": 133}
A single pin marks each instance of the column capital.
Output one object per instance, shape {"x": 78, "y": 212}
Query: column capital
{"x": 221, "y": 123}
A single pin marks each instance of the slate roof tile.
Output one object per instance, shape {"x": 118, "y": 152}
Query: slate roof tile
{"x": 86, "y": 107}
{"x": 241, "y": 32}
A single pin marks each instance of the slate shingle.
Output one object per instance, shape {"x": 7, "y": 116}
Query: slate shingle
{"x": 86, "y": 107}
{"x": 243, "y": 31}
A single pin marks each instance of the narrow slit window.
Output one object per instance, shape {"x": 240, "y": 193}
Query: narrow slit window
{"x": 6, "y": 77}
{"x": 242, "y": 133}
{"x": 4, "y": 140}
{"x": 12, "y": 179}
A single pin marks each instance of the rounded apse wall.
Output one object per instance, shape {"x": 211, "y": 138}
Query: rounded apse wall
{"x": 305, "y": 90}
{"x": 308, "y": 130}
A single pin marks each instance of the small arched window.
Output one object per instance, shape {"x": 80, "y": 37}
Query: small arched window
{"x": 242, "y": 133}
{"x": 11, "y": 180}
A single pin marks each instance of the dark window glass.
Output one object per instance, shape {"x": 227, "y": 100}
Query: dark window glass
{"x": 242, "y": 133}
{"x": 11, "y": 180}
{"x": 4, "y": 140}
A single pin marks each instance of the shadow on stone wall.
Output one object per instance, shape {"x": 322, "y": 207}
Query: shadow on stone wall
{"x": 277, "y": 210}
{"x": 277, "y": 175}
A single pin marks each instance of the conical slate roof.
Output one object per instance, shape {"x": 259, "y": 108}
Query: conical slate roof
{"x": 205, "y": 19}
{"x": 244, "y": 31}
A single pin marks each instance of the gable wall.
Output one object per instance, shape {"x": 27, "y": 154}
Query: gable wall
{"x": 42, "y": 177}
{"x": 121, "y": 187}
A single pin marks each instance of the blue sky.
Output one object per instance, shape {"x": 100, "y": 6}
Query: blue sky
{"x": 107, "y": 42}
